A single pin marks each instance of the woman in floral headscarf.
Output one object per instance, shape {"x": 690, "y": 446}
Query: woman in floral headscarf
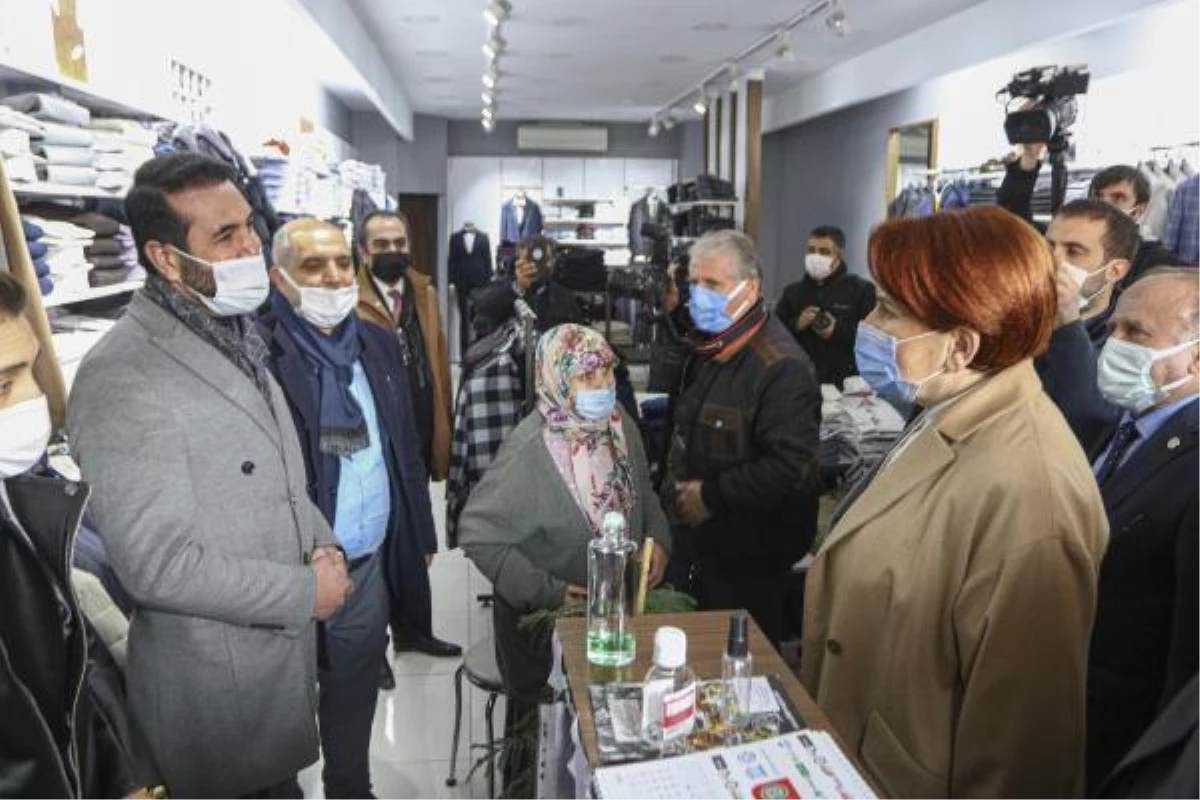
{"x": 528, "y": 523}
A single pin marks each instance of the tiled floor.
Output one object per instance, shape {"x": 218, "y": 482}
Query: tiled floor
{"x": 410, "y": 745}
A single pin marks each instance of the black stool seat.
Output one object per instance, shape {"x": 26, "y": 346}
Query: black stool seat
{"x": 480, "y": 668}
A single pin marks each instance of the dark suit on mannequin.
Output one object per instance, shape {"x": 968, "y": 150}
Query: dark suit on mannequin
{"x": 470, "y": 269}
{"x": 1144, "y": 641}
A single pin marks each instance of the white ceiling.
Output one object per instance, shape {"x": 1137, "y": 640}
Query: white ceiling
{"x": 612, "y": 60}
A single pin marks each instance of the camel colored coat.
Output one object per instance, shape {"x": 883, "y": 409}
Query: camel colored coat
{"x": 947, "y": 616}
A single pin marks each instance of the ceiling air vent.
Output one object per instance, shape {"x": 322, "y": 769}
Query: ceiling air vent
{"x": 563, "y": 138}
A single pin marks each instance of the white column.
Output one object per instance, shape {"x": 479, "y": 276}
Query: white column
{"x": 725, "y": 165}
{"x": 712, "y": 157}
{"x": 741, "y": 166}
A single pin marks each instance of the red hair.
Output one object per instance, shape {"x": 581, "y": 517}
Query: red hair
{"x": 981, "y": 268}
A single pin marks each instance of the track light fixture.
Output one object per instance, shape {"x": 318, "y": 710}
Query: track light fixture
{"x": 489, "y": 124}
{"x": 700, "y": 104}
{"x": 490, "y": 78}
{"x": 497, "y": 11}
{"x": 654, "y": 127}
{"x": 783, "y": 52}
{"x": 669, "y": 120}
{"x": 836, "y": 22}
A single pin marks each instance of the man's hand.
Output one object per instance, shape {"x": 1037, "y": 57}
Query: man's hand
{"x": 806, "y": 318}
{"x": 574, "y": 594}
{"x": 690, "y": 502}
{"x": 1068, "y": 298}
{"x": 1031, "y": 155}
{"x": 526, "y": 273}
{"x": 658, "y": 566}
{"x": 671, "y": 292}
{"x": 428, "y": 560}
{"x": 333, "y": 582}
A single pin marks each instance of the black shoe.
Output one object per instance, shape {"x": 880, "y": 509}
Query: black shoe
{"x": 387, "y": 679}
{"x": 428, "y": 645}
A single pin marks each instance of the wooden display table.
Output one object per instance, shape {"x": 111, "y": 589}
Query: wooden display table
{"x": 706, "y": 635}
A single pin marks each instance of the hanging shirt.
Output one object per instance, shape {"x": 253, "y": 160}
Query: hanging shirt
{"x": 364, "y": 492}
{"x": 469, "y": 240}
{"x": 1182, "y": 235}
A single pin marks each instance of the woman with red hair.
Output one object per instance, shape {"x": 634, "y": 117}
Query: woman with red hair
{"x": 947, "y": 614}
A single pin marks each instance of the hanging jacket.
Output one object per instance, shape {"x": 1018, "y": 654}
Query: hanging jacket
{"x": 639, "y": 245}
{"x": 515, "y": 226}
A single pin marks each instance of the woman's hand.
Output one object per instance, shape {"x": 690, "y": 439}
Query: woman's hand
{"x": 658, "y": 566}
{"x": 574, "y": 594}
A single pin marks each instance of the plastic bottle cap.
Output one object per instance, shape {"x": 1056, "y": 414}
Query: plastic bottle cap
{"x": 613, "y": 524}
{"x": 738, "y": 644}
{"x": 670, "y": 648}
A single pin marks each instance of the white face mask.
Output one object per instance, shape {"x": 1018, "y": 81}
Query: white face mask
{"x": 818, "y": 266}
{"x": 25, "y": 431}
{"x": 242, "y": 284}
{"x": 324, "y": 308}
{"x": 1124, "y": 374}
{"x": 1080, "y": 276}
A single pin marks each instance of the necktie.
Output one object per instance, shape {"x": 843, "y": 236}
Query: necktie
{"x": 396, "y": 299}
{"x": 1126, "y": 435}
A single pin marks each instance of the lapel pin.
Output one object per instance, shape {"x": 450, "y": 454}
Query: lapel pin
{"x": 1173, "y": 443}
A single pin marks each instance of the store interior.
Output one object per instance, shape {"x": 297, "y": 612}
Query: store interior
{"x": 579, "y": 121}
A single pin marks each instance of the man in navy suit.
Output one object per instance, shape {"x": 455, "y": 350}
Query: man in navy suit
{"x": 348, "y": 394}
{"x": 1144, "y": 641}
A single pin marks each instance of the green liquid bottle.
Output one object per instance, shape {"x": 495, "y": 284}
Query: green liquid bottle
{"x": 609, "y": 638}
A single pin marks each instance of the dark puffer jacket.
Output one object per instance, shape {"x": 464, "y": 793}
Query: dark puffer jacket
{"x": 748, "y": 429}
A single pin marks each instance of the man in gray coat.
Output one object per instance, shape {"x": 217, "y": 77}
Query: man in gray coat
{"x": 199, "y": 493}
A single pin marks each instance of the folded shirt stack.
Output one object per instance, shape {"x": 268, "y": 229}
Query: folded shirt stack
{"x": 65, "y": 245}
{"x": 64, "y": 140}
{"x": 104, "y": 252}
{"x": 16, "y": 151}
{"x": 122, "y": 145}
{"x": 38, "y": 250}
{"x": 129, "y": 254}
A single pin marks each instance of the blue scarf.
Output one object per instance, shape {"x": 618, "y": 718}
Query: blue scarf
{"x": 343, "y": 426}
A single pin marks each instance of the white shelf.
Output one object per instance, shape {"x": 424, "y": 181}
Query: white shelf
{"x": 592, "y": 243}
{"x": 679, "y": 208}
{"x": 59, "y": 190}
{"x": 55, "y": 299}
{"x": 558, "y": 201}
{"x": 571, "y": 223}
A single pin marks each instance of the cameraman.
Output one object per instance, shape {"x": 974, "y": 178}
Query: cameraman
{"x": 1121, "y": 186}
{"x": 533, "y": 281}
{"x": 823, "y": 310}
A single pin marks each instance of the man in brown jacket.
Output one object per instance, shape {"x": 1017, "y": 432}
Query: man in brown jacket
{"x": 395, "y": 295}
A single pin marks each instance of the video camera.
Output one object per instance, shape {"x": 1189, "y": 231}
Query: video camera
{"x": 1054, "y": 90}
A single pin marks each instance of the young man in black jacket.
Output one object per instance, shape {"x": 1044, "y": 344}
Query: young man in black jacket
{"x": 54, "y": 740}
{"x": 1121, "y": 186}
{"x": 742, "y": 481}
{"x": 823, "y": 310}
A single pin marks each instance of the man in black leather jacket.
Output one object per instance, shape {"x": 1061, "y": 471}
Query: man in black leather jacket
{"x": 63, "y": 727}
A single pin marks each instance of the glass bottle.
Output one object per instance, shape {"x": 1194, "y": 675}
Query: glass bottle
{"x": 610, "y": 641}
{"x": 737, "y": 668}
{"x": 669, "y": 695}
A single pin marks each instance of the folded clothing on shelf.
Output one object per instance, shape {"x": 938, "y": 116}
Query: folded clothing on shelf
{"x": 71, "y": 176}
{"x": 21, "y": 169}
{"x": 98, "y": 278}
{"x": 66, "y": 155}
{"x": 49, "y": 107}
{"x": 98, "y": 224}
{"x": 127, "y": 130}
{"x": 14, "y": 142}
{"x": 125, "y": 160}
{"x": 108, "y": 263}
{"x": 68, "y": 135}
{"x": 104, "y": 246}
{"x": 11, "y": 119}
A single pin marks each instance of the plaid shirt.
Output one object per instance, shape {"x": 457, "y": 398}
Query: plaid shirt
{"x": 1183, "y": 225}
{"x": 489, "y": 406}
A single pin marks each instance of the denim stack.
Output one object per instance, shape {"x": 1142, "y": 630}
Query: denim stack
{"x": 38, "y": 250}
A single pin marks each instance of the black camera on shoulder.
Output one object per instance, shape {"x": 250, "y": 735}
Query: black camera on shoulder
{"x": 1053, "y": 90}
{"x": 1048, "y": 116}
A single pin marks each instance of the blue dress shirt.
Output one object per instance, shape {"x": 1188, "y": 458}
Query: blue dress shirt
{"x": 1147, "y": 425}
{"x": 364, "y": 494}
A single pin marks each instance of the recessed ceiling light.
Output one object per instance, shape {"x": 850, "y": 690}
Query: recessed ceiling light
{"x": 710, "y": 27}
{"x": 420, "y": 19}
{"x": 556, "y": 56}
{"x": 673, "y": 58}
{"x": 568, "y": 22}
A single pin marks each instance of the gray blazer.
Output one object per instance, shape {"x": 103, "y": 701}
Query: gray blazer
{"x": 526, "y": 533}
{"x": 198, "y": 490}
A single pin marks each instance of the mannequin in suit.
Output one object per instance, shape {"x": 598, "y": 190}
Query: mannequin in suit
{"x": 520, "y": 219}
{"x": 650, "y": 209}
{"x": 1144, "y": 640}
{"x": 470, "y": 266}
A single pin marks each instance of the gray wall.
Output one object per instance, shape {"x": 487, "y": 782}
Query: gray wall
{"x": 335, "y": 116}
{"x": 690, "y": 137}
{"x": 625, "y": 140}
{"x": 829, "y": 171}
{"x": 416, "y": 167}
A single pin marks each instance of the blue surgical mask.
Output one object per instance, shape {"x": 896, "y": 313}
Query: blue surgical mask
{"x": 596, "y": 405}
{"x": 707, "y": 308}
{"x": 875, "y": 353}
{"x": 1123, "y": 374}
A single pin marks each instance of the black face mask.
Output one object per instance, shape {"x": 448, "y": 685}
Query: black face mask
{"x": 390, "y": 267}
